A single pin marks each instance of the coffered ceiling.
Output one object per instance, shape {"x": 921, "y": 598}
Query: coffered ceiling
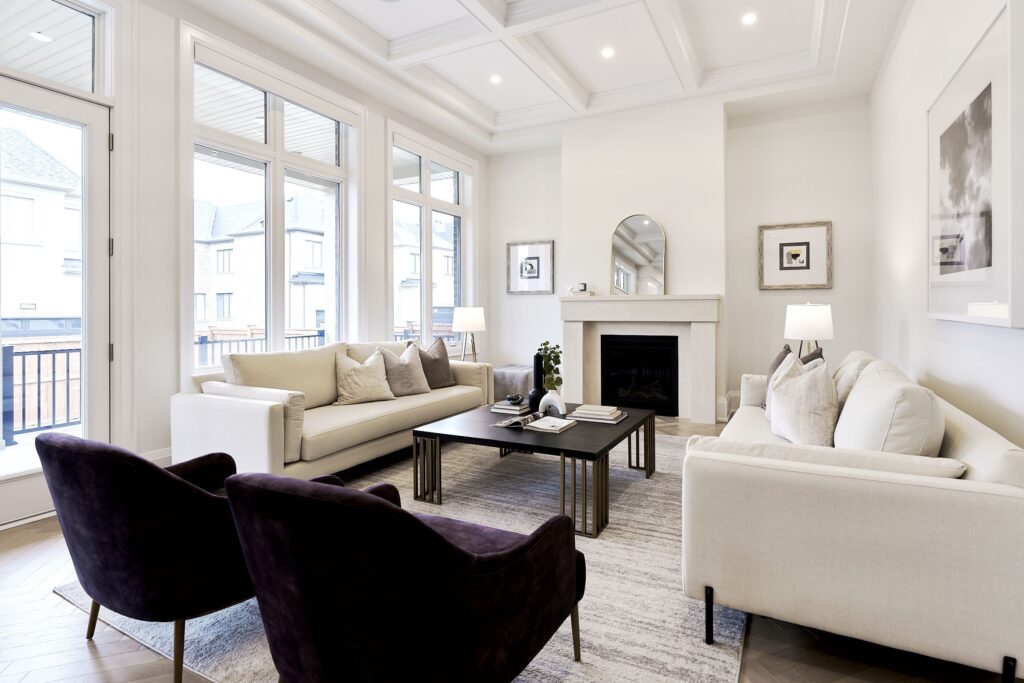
{"x": 506, "y": 65}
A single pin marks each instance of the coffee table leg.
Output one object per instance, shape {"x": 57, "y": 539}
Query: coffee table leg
{"x": 593, "y": 489}
{"x": 426, "y": 469}
{"x": 649, "y": 447}
{"x": 647, "y": 464}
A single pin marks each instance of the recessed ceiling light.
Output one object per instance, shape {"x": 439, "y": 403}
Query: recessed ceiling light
{"x": 647, "y": 221}
{"x": 41, "y": 37}
{"x": 608, "y": 52}
{"x": 749, "y": 19}
{"x": 495, "y": 79}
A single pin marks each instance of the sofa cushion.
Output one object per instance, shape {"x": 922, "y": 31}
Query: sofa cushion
{"x": 310, "y": 371}
{"x": 405, "y": 372}
{"x": 360, "y": 351}
{"x": 436, "y": 366}
{"x": 885, "y": 411}
{"x": 362, "y": 382}
{"x": 837, "y": 457}
{"x": 987, "y": 455}
{"x": 330, "y": 429}
{"x": 846, "y": 374}
{"x": 748, "y": 423}
{"x": 804, "y": 407}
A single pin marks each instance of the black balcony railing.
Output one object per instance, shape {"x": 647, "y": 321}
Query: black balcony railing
{"x": 210, "y": 351}
{"x": 42, "y": 389}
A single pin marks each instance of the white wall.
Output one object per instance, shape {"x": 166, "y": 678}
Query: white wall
{"x": 975, "y": 367}
{"x": 796, "y": 170}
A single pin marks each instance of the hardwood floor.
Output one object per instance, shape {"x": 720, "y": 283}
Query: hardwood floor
{"x": 42, "y": 637}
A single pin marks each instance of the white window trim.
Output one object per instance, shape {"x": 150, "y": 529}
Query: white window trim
{"x": 468, "y": 168}
{"x": 209, "y": 50}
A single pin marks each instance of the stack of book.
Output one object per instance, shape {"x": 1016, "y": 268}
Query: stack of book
{"x": 605, "y": 414}
{"x": 506, "y": 408}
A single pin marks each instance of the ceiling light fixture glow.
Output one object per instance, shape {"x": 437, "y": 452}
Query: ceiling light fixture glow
{"x": 749, "y": 19}
{"x": 41, "y": 37}
{"x": 496, "y": 79}
{"x": 608, "y": 52}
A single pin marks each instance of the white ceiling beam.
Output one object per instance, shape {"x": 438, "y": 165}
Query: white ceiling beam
{"x": 452, "y": 95}
{"x": 333, "y": 20}
{"x": 490, "y": 13}
{"x": 527, "y": 16}
{"x": 532, "y": 51}
{"x": 668, "y": 21}
{"x": 437, "y": 42}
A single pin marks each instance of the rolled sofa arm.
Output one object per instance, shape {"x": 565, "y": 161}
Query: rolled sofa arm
{"x": 475, "y": 375}
{"x": 250, "y": 431}
{"x": 924, "y": 564}
{"x": 753, "y": 390}
{"x": 294, "y": 403}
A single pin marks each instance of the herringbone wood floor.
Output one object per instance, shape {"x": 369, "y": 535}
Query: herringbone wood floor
{"x": 42, "y": 637}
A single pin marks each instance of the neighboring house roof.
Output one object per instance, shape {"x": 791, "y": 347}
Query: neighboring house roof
{"x": 23, "y": 161}
{"x": 213, "y": 223}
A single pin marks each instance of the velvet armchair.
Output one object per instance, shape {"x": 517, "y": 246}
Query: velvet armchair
{"x": 150, "y": 543}
{"x": 352, "y": 587}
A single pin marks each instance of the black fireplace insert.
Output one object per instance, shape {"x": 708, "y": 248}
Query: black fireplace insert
{"x": 640, "y": 371}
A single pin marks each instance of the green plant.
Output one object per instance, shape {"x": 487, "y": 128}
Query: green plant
{"x": 552, "y": 356}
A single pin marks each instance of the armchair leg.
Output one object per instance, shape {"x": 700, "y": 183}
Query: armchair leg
{"x": 179, "y": 648}
{"x": 1009, "y": 669}
{"x": 574, "y": 619}
{"x": 94, "y": 613}
{"x": 709, "y": 615}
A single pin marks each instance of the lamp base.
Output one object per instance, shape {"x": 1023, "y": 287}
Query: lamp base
{"x": 812, "y": 344}
{"x": 471, "y": 338}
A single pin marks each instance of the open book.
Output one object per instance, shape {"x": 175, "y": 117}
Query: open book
{"x": 537, "y": 422}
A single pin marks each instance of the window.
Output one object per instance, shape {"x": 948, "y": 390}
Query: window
{"x": 270, "y": 173}
{"x": 199, "y": 306}
{"x": 224, "y": 305}
{"x": 224, "y": 260}
{"x": 427, "y": 212}
{"x": 624, "y": 277}
{"x": 50, "y": 40}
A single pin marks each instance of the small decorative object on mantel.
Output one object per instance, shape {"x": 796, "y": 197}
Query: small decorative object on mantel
{"x": 530, "y": 267}
{"x": 552, "y": 359}
{"x": 795, "y": 256}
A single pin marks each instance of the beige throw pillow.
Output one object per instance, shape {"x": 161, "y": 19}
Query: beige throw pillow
{"x": 405, "y": 373}
{"x": 362, "y": 382}
{"x": 804, "y": 404}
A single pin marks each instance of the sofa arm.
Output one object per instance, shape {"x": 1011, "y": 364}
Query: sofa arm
{"x": 753, "y": 390}
{"x": 475, "y": 375}
{"x": 924, "y": 564}
{"x": 250, "y": 431}
{"x": 294, "y": 403}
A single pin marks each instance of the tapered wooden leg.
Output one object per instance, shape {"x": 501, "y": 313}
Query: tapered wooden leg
{"x": 94, "y": 613}
{"x": 179, "y": 648}
{"x": 574, "y": 618}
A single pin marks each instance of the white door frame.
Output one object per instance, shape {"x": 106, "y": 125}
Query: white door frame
{"x": 24, "y": 494}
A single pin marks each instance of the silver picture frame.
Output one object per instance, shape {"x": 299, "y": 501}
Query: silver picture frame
{"x": 530, "y": 267}
{"x": 795, "y": 255}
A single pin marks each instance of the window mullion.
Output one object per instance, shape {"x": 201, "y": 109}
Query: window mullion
{"x": 276, "y": 289}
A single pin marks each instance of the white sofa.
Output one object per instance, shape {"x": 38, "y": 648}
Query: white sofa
{"x": 274, "y": 412}
{"x": 922, "y": 554}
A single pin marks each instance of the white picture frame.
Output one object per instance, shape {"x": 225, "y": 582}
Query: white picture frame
{"x": 530, "y": 267}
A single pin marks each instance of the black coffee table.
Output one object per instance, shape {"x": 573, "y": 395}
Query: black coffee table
{"x": 587, "y": 443}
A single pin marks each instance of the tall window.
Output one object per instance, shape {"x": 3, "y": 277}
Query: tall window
{"x": 427, "y": 211}
{"x": 50, "y": 39}
{"x": 199, "y": 306}
{"x": 270, "y": 175}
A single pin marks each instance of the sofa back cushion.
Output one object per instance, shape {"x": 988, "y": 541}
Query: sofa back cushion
{"x": 310, "y": 371}
{"x": 848, "y": 372}
{"x": 360, "y": 351}
{"x": 885, "y": 411}
{"x": 987, "y": 455}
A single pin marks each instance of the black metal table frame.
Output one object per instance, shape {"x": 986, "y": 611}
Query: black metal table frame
{"x": 592, "y": 484}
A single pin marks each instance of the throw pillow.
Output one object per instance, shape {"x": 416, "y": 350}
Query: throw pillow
{"x": 786, "y": 350}
{"x": 436, "y": 365}
{"x": 777, "y": 361}
{"x": 405, "y": 373}
{"x": 813, "y": 355}
{"x": 804, "y": 404}
{"x": 362, "y": 382}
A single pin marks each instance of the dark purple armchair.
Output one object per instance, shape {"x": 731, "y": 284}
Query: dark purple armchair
{"x": 150, "y": 543}
{"x": 351, "y": 587}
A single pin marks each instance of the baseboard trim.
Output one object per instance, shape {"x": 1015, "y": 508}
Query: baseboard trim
{"x": 27, "y": 520}
{"x": 161, "y": 456}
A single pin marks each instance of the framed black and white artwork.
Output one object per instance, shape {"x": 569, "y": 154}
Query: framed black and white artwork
{"x": 970, "y": 257}
{"x": 530, "y": 267}
{"x": 795, "y": 255}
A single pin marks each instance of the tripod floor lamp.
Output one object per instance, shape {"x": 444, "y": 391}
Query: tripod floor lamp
{"x": 469, "y": 320}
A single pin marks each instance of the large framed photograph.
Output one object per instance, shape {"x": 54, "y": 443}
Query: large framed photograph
{"x": 969, "y": 267}
{"x": 530, "y": 267}
{"x": 795, "y": 256}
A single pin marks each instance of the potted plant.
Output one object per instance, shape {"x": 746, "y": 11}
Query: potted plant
{"x": 550, "y": 360}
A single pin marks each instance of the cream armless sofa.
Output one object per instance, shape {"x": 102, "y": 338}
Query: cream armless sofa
{"x": 922, "y": 554}
{"x": 274, "y": 412}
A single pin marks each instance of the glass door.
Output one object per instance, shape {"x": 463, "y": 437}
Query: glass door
{"x": 54, "y": 280}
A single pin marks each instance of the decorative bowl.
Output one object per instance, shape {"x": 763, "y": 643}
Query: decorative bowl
{"x": 514, "y": 399}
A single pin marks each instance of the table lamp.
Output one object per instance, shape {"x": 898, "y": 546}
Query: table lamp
{"x": 808, "y": 323}
{"x": 468, "y": 320}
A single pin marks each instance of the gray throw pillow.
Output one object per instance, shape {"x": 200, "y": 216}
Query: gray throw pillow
{"x": 405, "y": 372}
{"x": 813, "y": 355}
{"x": 436, "y": 366}
{"x": 778, "y": 361}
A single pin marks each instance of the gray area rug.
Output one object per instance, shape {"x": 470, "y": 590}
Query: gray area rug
{"x": 635, "y": 622}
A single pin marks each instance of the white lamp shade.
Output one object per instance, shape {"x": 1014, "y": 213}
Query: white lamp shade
{"x": 808, "y": 322}
{"x": 469, "y": 319}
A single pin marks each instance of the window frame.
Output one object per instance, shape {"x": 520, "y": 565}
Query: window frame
{"x": 429, "y": 151}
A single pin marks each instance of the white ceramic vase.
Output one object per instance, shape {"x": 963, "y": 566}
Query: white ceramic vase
{"x": 552, "y": 399}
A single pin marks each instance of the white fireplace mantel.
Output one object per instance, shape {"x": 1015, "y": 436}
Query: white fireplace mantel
{"x": 691, "y": 318}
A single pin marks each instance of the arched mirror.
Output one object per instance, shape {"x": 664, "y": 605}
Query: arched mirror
{"x": 638, "y": 256}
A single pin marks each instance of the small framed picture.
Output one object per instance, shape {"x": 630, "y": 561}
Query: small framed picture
{"x": 530, "y": 267}
{"x": 795, "y": 256}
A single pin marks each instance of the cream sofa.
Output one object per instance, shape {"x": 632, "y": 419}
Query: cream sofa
{"x": 922, "y": 554}
{"x": 274, "y": 412}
